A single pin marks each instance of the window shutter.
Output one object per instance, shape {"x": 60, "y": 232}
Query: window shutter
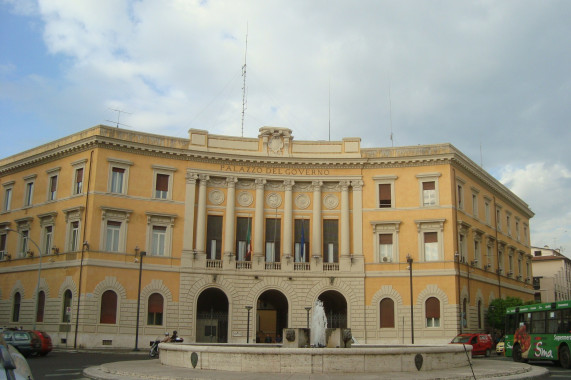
{"x": 162, "y": 182}
{"x": 430, "y": 237}
{"x": 53, "y": 184}
{"x": 385, "y": 195}
{"x": 155, "y": 303}
{"x": 79, "y": 176}
{"x": 386, "y": 239}
{"x": 387, "y": 313}
{"x": 428, "y": 185}
{"x": 432, "y": 308}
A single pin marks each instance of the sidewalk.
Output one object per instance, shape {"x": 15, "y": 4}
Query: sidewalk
{"x": 153, "y": 369}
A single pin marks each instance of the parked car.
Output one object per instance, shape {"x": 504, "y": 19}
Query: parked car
{"x": 500, "y": 347}
{"x": 481, "y": 343}
{"x": 46, "y": 341}
{"x": 12, "y": 363}
{"x": 26, "y": 342}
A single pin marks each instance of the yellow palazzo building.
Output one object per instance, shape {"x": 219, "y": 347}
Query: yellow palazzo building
{"x": 223, "y": 230}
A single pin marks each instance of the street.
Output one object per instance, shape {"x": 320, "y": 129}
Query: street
{"x": 68, "y": 365}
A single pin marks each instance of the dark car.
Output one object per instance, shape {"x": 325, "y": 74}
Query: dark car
{"x": 46, "y": 341}
{"x": 12, "y": 364}
{"x": 26, "y": 342}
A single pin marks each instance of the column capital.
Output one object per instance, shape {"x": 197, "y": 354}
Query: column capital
{"x": 231, "y": 181}
{"x": 191, "y": 177}
{"x": 288, "y": 184}
{"x": 357, "y": 185}
{"x": 344, "y": 185}
{"x": 316, "y": 185}
{"x": 260, "y": 182}
{"x": 203, "y": 178}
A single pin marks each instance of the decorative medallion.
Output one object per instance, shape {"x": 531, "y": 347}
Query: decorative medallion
{"x": 276, "y": 144}
{"x": 245, "y": 199}
{"x": 330, "y": 201}
{"x": 216, "y": 197}
{"x": 274, "y": 200}
{"x": 302, "y": 201}
{"x": 290, "y": 335}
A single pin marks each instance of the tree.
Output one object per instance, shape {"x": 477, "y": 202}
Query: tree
{"x": 497, "y": 311}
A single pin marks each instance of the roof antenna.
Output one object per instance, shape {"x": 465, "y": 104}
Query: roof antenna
{"x": 330, "y": 108}
{"x": 119, "y": 112}
{"x": 391, "y": 114}
{"x": 244, "y": 83}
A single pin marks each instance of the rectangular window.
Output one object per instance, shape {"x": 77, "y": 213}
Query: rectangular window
{"x": 509, "y": 225}
{"x": 517, "y": 234}
{"x": 460, "y": 197}
{"x": 117, "y": 175}
{"x": 78, "y": 183}
{"x": 112, "y": 236}
{"x": 477, "y": 253}
{"x": 28, "y": 198}
{"x": 463, "y": 248}
{"x": 475, "y": 205}
{"x": 431, "y": 246}
{"x": 243, "y": 239}
{"x": 498, "y": 219}
{"x": 48, "y": 239}
{"x": 330, "y": 241}
{"x": 2, "y": 246}
{"x": 511, "y": 264}
{"x": 385, "y": 195}
{"x": 214, "y": 237}
{"x": 301, "y": 234}
{"x": 7, "y": 199}
{"x": 162, "y": 186}
{"x": 385, "y": 248}
{"x": 53, "y": 188}
{"x": 273, "y": 237}
{"x": 490, "y": 259}
{"x": 487, "y": 211}
{"x": 24, "y": 235}
{"x": 158, "y": 240}
{"x": 429, "y": 193}
{"x": 74, "y": 237}
{"x": 501, "y": 261}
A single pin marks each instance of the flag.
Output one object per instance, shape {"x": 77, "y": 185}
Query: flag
{"x": 302, "y": 253}
{"x": 248, "y": 243}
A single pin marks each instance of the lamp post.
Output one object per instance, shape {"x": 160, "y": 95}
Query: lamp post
{"x": 142, "y": 254}
{"x": 308, "y": 309}
{"x": 248, "y": 326}
{"x": 409, "y": 261}
{"x": 39, "y": 271}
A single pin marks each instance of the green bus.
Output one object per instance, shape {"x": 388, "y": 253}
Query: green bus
{"x": 539, "y": 332}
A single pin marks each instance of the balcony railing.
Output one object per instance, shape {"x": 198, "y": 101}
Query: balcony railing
{"x": 215, "y": 264}
{"x": 331, "y": 266}
{"x": 301, "y": 266}
{"x": 273, "y": 266}
{"x": 243, "y": 265}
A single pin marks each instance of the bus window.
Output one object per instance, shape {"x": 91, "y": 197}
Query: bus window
{"x": 538, "y": 323}
{"x": 553, "y": 321}
{"x": 566, "y": 320}
{"x": 511, "y": 324}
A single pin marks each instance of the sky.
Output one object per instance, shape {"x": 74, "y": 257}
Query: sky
{"x": 493, "y": 78}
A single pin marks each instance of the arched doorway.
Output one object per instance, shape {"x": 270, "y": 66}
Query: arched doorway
{"x": 212, "y": 317}
{"x": 272, "y": 316}
{"x": 335, "y": 307}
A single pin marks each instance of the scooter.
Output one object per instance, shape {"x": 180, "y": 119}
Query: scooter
{"x": 155, "y": 345}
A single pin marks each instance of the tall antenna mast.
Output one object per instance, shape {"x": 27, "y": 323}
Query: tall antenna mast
{"x": 330, "y": 108}
{"x": 391, "y": 115}
{"x": 244, "y": 83}
{"x": 119, "y": 112}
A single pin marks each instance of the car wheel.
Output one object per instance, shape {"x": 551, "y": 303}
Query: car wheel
{"x": 516, "y": 354}
{"x": 565, "y": 357}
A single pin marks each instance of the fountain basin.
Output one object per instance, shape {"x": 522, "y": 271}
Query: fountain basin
{"x": 273, "y": 359}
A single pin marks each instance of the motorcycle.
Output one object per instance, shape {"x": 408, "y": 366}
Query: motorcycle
{"x": 155, "y": 344}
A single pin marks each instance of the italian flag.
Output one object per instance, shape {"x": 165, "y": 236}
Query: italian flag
{"x": 248, "y": 243}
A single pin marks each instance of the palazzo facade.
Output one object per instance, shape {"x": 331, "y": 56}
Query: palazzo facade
{"x": 205, "y": 234}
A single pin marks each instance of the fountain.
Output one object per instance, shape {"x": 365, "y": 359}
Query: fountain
{"x": 316, "y": 350}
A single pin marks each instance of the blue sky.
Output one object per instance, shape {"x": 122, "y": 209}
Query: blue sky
{"x": 491, "y": 77}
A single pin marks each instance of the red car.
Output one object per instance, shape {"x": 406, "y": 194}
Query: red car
{"x": 481, "y": 343}
{"x": 46, "y": 342}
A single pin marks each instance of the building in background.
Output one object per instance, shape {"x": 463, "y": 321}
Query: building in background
{"x": 551, "y": 275}
{"x": 268, "y": 225}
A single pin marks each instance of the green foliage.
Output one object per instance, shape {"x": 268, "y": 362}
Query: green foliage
{"x": 497, "y": 311}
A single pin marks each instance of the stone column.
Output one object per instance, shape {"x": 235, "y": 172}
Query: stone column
{"x": 201, "y": 218}
{"x": 259, "y": 219}
{"x": 189, "y": 201}
{"x": 316, "y": 245}
{"x": 288, "y": 220}
{"x": 345, "y": 235}
{"x": 357, "y": 217}
{"x": 229, "y": 233}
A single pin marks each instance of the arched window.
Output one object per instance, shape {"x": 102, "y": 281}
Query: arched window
{"x": 465, "y": 313}
{"x": 66, "y": 312}
{"x": 155, "y": 310}
{"x": 432, "y": 310}
{"x": 16, "y": 307}
{"x": 40, "y": 307}
{"x": 108, "y": 312}
{"x": 479, "y": 314}
{"x": 387, "y": 313}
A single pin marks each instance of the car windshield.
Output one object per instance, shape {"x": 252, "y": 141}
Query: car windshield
{"x": 461, "y": 339}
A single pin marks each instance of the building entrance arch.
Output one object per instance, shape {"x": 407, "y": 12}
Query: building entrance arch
{"x": 212, "y": 317}
{"x": 271, "y": 317}
{"x": 335, "y": 306}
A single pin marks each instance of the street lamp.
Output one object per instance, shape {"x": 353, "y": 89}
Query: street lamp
{"x": 248, "y": 326}
{"x": 141, "y": 255}
{"x": 409, "y": 261}
{"x": 39, "y": 271}
{"x": 308, "y": 308}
